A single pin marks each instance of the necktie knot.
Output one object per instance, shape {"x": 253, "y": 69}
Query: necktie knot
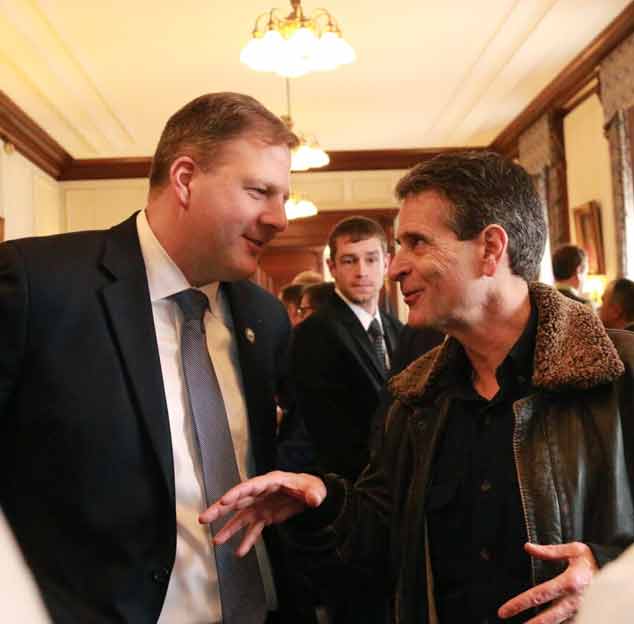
{"x": 192, "y": 303}
{"x": 374, "y": 330}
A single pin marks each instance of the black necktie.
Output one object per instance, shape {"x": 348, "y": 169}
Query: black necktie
{"x": 241, "y": 590}
{"x": 376, "y": 338}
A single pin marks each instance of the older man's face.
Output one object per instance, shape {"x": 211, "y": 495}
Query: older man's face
{"x": 438, "y": 274}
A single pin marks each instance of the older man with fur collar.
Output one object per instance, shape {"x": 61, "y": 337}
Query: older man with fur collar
{"x": 505, "y": 477}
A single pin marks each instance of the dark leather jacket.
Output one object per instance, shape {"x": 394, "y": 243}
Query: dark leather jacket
{"x": 573, "y": 442}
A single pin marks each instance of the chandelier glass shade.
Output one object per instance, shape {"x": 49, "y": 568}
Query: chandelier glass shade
{"x": 296, "y": 207}
{"x": 295, "y": 45}
{"x": 308, "y": 155}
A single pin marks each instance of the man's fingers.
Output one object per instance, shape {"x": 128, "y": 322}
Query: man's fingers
{"x": 567, "y": 587}
{"x": 236, "y": 523}
{"x": 557, "y": 551}
{"x": 563, "y": 610}
{"x": 251, "y": 536}
{"x": 534, "y": 597}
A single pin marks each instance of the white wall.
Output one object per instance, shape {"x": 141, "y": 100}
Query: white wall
{"x": 30, "y": 200}
{"x": 588, "y": 170}
{"x": 99, "y": 204}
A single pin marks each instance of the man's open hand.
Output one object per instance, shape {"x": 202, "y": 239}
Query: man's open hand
{"x": 258, "y": 502}
{"x": 564, "y": 591}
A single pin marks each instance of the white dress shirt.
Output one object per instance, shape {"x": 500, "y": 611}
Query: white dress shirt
{"x": 192, "y": 594}
{"x": 365, "y": 318}
{"x": 19, "y": 598}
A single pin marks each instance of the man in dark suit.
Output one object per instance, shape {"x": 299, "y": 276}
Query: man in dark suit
{"x": 337, "y": 369}
{"x": 339, "y": 363}
{"x": 570, "y": 269}
{"x": 102, "y": 477}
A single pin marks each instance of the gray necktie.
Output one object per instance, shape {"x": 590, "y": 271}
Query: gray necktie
{"x": 241, "y": 590}
{"x": 376, "y": 338}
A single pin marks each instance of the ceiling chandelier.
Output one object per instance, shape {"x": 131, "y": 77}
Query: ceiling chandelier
{"x": 295, "y": 45}
{"x": 297, "y": 207}
{"x": 308, "y": 154}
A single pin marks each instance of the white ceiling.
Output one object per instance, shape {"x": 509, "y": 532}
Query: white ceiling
{"x": 102, "y": 76}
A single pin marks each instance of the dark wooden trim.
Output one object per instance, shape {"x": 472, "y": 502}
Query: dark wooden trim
{"x": 629, "y": 117}
{"x": 569, "y": 81}
{"x": 557, "y": 130}
{"x": 371, "y": 160}
{"x": 17, "y": 128}
{"x": 581, "y": 97}
{"x": 28, "y": 138}
{"x": 106, "y": 168}
{"x": 343, "y": 160}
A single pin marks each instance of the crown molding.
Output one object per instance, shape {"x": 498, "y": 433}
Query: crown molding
{"x": 28, "y": 138}
{"x": 17, "y": 128}
{"x": 106, "y": 169}
{"x": 577, "y": 75}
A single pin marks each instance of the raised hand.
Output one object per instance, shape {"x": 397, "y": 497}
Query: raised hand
{"x": 261, "y": 501}
{"x": 564, "y": 591}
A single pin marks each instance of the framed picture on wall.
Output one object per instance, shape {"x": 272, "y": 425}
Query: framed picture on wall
{"x": 589, "y": 234}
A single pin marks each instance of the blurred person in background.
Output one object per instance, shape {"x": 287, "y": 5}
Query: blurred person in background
{"x": 570, "y": 269}
{"x": 314, "y": 297}
{"x": 617, "y": 309}
{"x": 291, "y": 296}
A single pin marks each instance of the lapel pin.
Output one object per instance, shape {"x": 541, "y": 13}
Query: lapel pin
{"x": 250, "y": 335}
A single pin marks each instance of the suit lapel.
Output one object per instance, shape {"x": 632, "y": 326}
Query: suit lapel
{"x": 257, "y": 377}
{"x": 356, "y": 338}
{"x": 128, "y": 306}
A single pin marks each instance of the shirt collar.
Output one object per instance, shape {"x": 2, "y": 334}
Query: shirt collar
{"x": 163, "y": 275}
{"x": 516, "y": 367}
{"x": 365, "y": 318}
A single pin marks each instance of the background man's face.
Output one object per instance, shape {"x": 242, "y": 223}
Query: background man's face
{"x": 436, "y": 271}
{"x": 359, "y": 269}
{"x": 235, "y": 209}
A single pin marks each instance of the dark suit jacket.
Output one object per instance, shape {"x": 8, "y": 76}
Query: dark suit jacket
{"x": 568, "y": 292}
{"x": 87, "y": 478}
{"x": 337, "y": 380}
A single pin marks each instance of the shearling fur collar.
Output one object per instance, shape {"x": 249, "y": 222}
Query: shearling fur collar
{"x": 572, "y": 350}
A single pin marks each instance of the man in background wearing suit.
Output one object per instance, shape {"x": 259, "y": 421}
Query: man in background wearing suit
{"x": 339, "y": 362}
{"x": 570, "y": 268}
{"x": 336, "y": 365}
{"x": 102, "y": 475}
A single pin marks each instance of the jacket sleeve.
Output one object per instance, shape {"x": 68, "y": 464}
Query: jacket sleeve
{"x": 358, "y": 524}
{"x": 13, "y": 321}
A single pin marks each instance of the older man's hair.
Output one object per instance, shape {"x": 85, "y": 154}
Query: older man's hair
{"x": 623, "y": 296}
{"x": 566, "y": 260}
{"x": 484, "y": 188}
{"x": 292, "y": 293}
{"x": 305, "y": 278}
{"x": 357, "y": 229}
{"x": 318, "y": 294}
{"x": 204, "y": 125}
